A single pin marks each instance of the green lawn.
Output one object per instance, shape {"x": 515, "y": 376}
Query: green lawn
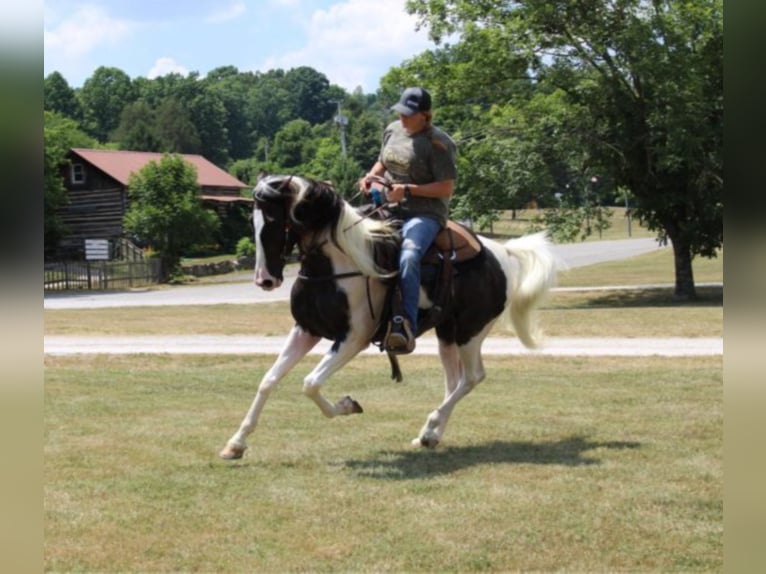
{"x": 574, "y": 464}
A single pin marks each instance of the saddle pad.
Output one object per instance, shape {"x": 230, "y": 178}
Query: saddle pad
{"x": 458, "y": 238}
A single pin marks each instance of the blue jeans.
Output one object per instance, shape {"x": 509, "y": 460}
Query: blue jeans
{"x": 418, "y": 233}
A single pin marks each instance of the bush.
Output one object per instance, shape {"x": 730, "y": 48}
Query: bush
{"x": 245, "y": 248}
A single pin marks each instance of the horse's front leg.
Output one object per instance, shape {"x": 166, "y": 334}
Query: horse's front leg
{"x": 297, "y": 346}
{"x": 338, "y": 355}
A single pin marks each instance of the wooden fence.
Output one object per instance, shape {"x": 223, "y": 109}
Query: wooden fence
{"x": 101, "y": 275}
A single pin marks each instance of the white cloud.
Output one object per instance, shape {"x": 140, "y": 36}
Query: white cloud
{"x": 164, "y": 66}
{"x": 81, "y": 33}
{"x": 232, "y": 11}
{"x": 353, "y": 42}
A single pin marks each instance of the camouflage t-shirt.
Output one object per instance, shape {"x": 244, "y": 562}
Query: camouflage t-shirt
{"x": 425, "y": 157}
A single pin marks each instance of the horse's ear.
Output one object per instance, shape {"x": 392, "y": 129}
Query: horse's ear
{"x": 271, "y": 188}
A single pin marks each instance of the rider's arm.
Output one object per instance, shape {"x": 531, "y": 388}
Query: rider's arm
{"x": 437, "y": 189}
{"x": 378, "y": 169}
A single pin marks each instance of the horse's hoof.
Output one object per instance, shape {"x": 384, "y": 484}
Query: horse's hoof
{"x": 350, "y": 406}
{"x": 232, "y": 452}
{"x": 427, "y": 442}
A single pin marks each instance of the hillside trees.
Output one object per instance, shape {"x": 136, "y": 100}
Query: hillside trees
{"x": 103, "y": 96}
{"x": 59, "y": 97}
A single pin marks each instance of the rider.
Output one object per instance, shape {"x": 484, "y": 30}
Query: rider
{"x": 419, "y": 161}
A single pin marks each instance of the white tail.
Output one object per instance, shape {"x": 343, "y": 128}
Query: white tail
{"x": 535, "y": 277}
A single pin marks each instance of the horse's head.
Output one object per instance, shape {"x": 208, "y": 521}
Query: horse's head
{"x": 288, "y": 210}
{"x": 274, "y": 236}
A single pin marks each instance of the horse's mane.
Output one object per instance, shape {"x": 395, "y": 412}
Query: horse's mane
{"x": 353, "y": 234}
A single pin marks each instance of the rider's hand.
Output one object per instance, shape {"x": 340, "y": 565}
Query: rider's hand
{"x": 365, "y": 184}
{"x": 395, "y": 194}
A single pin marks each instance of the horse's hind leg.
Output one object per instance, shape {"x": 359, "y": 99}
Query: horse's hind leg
{"x": 469, "y": 370}
{"x": 298, "y": 344}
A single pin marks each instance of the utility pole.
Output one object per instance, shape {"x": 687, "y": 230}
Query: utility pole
{"x": 342, "y": 121}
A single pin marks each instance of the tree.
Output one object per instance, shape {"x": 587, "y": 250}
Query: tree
{"x": 137, "y": 130}
{"x": 209, "y": 116}
{"x": 60, "y": 133}
{"x": 309, "y": 91}
{"x": 650, "y": 77}
{"x": 60, "y": 97}
{"x": 166, "y": 211}
{"x": 175, "y": 130}
{"x": 293, "y": 144}
{"x": 103, "y": 97}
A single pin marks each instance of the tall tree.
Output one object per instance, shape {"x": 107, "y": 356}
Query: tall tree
{"x": 175, "y": 130}
{"x": 137, "y": 130}
{"x": 166, "y": 211}
{"x": 310, "y": 93}
{"x": 104, "y": 95}
{"x": 293, "y": 144}
{"x": 650, "y": 77}
{"x": 60, "y": 133}
{"x": 60, "y": 97}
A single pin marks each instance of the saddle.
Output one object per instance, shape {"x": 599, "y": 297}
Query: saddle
{"x": 454, "y": 248}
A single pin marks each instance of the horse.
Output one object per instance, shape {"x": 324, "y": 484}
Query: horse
{"x": 342, "y": 288}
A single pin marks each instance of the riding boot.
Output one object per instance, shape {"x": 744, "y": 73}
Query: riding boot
{"x": 399, "y": 339}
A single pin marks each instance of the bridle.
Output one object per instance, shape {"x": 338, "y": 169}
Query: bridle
{"x": 292, "y": 236}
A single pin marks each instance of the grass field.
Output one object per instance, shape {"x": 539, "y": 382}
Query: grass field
{"x": 587, "y": 465}
{"x": 552, "y": 464}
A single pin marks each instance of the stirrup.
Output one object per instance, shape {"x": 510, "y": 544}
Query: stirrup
{"x": 399, "y": 339}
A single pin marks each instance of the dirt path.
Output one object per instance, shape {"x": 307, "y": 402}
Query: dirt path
{"x": 499, "y": 346}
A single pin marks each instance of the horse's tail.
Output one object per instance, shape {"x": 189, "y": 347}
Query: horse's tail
{"x": 536, "y": 275}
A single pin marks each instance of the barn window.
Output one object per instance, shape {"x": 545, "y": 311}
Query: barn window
{"x": 78, "y": 173}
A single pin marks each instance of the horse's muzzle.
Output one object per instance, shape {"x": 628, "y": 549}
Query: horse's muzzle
{"x": 268, "y": 284}
{"x": 266, "y": 280}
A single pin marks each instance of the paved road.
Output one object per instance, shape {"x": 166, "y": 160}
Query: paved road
{"x": 571, "y": 255}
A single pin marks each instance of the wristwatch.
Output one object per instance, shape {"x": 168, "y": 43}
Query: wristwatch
{"x": 407, "y": 192}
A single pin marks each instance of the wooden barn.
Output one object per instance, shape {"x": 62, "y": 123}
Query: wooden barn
{"x": 97, "y": 186}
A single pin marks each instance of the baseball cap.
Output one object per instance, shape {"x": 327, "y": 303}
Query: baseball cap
{"x": 413, "y": 100}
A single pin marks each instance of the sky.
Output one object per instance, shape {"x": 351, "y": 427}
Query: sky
{"x": 352, "y": 42}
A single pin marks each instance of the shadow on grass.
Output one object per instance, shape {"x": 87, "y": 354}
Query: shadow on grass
{"x": 660, "y": 297}
{"x": 416, "y": 463}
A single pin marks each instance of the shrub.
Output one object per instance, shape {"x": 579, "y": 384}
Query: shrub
{"x": 245, "y": 248}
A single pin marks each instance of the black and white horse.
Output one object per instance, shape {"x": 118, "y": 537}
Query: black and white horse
{"x": 341, "y": 291}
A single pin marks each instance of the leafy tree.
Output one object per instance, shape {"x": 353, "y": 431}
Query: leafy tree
{"x": 364, "y": 136}
{"x": 269, "y": 104}
{"x": 103, "y": 97}
{"x": 209, "y": 117}
{"x": 650, "y": 76}
{"x": 310, "y": 94}
{"x": 175, "y": 130}
{"x": 166, "y": 212}
{"x": 60, "y": 97}
{"x": 137, "y": 130}
{"x": 232, "y": 88}
{"x": 60, "y": 133}
{"x": 293, "y": 144}
{"x": 329, "y": 164}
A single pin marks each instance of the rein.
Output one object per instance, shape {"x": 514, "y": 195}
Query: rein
{"x": 378, "y": 209}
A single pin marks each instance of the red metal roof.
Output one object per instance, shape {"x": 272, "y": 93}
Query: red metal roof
{"x": 121, "y": 164}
